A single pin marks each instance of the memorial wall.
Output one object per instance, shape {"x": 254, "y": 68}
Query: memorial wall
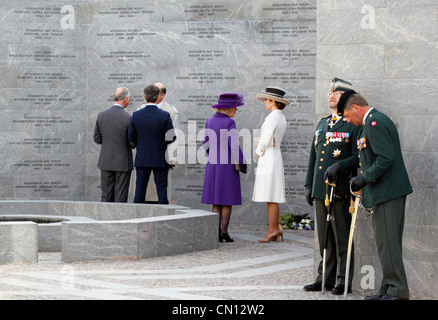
{"x": 61, "y": 62}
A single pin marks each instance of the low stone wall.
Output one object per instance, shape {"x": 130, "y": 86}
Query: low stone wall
{"x": 89, "y": 209}
{"x": 18, "y": 242}
{"x": 186, "y": 231}
{"x": 107, "y": 231}
{"x": 49, "y": 228}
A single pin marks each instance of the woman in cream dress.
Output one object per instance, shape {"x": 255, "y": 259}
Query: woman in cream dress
{"x": 269, "y": 184}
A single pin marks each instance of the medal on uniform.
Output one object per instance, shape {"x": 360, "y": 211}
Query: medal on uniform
{"x": 337, "y": 137}
{"x": 336, "y": 153}
{"x": 333, "y": 121}
{"x": 317, "y": 134}
{"x": 361, "y": 143}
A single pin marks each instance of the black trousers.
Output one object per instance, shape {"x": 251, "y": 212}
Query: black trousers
{"x": 337, "y": 242}
{"x": 114, "y": 185}
{"x": 160, "y": 178}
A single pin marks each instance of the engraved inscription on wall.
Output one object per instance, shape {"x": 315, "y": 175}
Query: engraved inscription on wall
{"x": 58, "y": 76}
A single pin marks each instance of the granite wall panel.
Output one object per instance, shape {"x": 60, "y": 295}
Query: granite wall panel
{"x": 388, "y": 51}
{"x": 62, "y": 61}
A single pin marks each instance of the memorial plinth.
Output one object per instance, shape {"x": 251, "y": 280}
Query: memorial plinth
{"x": 84, "y": 231}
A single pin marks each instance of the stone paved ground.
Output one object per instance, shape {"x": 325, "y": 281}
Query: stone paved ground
{"x": 242, "y": 270}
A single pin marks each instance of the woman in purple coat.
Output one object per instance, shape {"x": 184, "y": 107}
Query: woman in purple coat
{"x": 225, "y": 160}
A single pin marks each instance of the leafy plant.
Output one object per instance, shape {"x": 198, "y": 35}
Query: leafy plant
{"x": 296, "y": 221}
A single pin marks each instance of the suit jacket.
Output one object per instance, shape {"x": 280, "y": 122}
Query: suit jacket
{"x": 111, "y": 131}
{"x": 175, "y": 122}
{"x": 150, "y": 131}
{"x": 166, "y": 107}
{"x": 381, "y": 160}
{"x": 331, "y": 145}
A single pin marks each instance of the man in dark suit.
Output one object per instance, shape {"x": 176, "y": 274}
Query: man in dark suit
{"x": 150, "y": 131}
{"x": 385, "y": 184}
{"x": 115, "y": 159}
{"x": 333, "y": 157}
{"x": 151, "y": 191}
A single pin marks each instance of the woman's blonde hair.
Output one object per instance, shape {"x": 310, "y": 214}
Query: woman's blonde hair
{"x": 225, "y": 111}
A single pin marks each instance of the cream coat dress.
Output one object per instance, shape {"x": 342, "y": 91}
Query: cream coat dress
{"x": 269, "y": 183}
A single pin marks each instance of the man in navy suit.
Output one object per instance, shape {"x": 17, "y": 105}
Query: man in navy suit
{"x": 115, "y": 159}
{"x": 150, "y": 131}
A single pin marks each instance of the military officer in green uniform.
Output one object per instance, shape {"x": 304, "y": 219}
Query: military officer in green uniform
{"x": 333, "y": 156}
{"x": 385, "y": 184}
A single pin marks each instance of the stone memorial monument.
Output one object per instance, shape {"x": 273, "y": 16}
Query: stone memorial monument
{"x": 61, "y": 61}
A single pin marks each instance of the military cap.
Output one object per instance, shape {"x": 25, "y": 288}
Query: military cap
{"x": 343, "y": 101}
{"x": 340, "y": 85}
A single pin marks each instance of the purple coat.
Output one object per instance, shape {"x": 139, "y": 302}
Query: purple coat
{"x": 222, "y": 181}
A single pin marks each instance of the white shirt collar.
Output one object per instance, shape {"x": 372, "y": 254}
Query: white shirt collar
{"x": 116, "y": 104}
{"x": 366, "y": 116}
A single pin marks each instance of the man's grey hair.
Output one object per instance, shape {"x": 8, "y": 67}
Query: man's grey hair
{"x": 124, "y": 93}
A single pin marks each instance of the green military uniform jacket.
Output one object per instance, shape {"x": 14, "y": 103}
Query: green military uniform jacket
{"x": 331, "y": 145}
{"x": 381, "y": 161}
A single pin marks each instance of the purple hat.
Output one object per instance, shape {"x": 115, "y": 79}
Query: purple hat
{"x": 229, "y": 100}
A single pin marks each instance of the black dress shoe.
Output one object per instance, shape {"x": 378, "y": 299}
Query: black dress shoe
{"x": 376, "y": 296}
{"x": 313, "y": 287}
{"x": 391, "y": 297}
{"x": 316, "y": 286}
{"x": 340, "y": 289}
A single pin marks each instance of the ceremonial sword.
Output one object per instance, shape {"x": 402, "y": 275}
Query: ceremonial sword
{"x": 353, "y": 211}
{"x": 328, "y": 203}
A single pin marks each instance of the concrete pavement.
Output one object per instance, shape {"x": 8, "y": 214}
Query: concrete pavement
{"x": 242, "y": 270}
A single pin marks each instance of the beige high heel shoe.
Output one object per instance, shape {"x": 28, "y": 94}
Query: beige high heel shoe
{"x": 280, "y": 233}
{"x": 273, "y": 236}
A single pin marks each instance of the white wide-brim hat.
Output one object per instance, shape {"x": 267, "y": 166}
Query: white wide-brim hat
{"x": 273, "y": 93}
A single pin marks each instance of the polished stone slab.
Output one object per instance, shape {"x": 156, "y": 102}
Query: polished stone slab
{"x": 186, "y": 231}
{"x": 19, "y": 242}
{"x": 85, "y": 231}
